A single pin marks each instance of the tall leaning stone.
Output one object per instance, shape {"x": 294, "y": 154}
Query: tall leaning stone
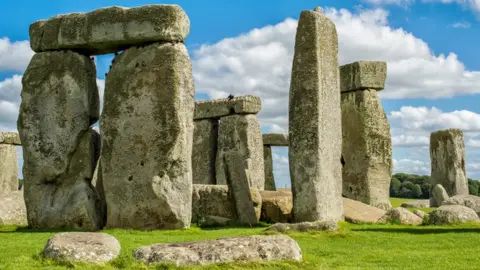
{"x": 268, "y": 168}
{"x": 8, "y": 162}
{"x": 241, "y": 134}
{"x": 447, "y": 156}
{"x": 147, "y": 129}
{"x": 366, "y": 139}
{"x": 315, "y": 131}
{"x": 59, "y": 103}
{"x": 204, "y": 151}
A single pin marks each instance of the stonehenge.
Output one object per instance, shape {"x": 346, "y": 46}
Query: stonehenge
{"x": 315, "y": 129}
{"x": 8, "y": 162}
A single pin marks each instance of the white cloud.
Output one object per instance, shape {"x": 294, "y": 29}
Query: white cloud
{"x": 461, "y": 24}
{"x": 390, "y": 2}
{"x": 472, "y": 4}
{"x": 411, "y": 166}
{"x": 14, "y": 56}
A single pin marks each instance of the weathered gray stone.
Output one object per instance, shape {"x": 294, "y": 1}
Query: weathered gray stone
{"x": 147, "y": 133}
{"x": 416, "y": 204}
{"x": 222, "y": 107}
{"x": 233, "y": 249}
{"x": 214, "y": 221}
{"x": 82, "y": 247}
{"x": 8, "y": 168}
{"x": 10, "y": 138}
{"x": 470, "y": 201}
{"x": 363, "y": 75}
{"x": 400, "y": 215}
{"x": 12, "y": 209}
{"x": 315, "y": 130}
{"x": 110, "y": 29}
{"x": 241, "y": 134}
{"x": 204, "y": 152}
{"x": 358, "y": 212}
{"x": 275, "y": 139}
{"x": 420, "y": 213}
{"x": 328, "y": 225}
{"x": 452, "y": 214}
{"x": 447, "y": 156}
{"x": 59, "y": 103}
{"x": 268, "y": 168}
{"x": 276, "y": 206}
{"x": 438, "y": 196}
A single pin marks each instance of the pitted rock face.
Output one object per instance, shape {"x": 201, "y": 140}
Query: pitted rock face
{"x": 315, "y": 132}
{"x": 110, "y": 29}
{"x": 470, "y": 201}
{"x": 147, "y": 133}
{"x": 438, "y": 195}
{"x": 204, "y": 152}
{"x": 328, "y": 225}
{"x": 400, "y": 215}
{"x": 363, "y": 75}
{"x": 10, "y": 138}
{"x": 12, "y": 209}
{"x": 275, "y": 139}
{"x": 453, "y": 214}
{"x": 205, "y": 109}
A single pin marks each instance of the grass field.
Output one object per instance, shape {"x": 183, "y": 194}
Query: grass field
{"x": 397, "y": 202}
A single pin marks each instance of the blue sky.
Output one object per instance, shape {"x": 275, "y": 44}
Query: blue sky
{"x": 245, "y": 47}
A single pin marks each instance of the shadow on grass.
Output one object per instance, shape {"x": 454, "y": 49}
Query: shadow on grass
{"x": 420, "y": 230}
{"x": 236, "y": 226}
{"x": 33, "y": 230}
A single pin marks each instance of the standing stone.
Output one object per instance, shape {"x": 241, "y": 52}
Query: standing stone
{"x": 315, "y": 121}
{"x": 241, "y": 134}
{"x": 366, "y": 139}
{"x": 59, "y": 103}
{"x": 8, "y": 162}
{"x": 268, "y": 166}
{"x": 147, "y": 129}
{"x": 438, "y": 195}
{"x": 204, "y": 151}
{"x": 447, "y": 156}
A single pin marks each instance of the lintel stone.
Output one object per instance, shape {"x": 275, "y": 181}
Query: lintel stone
{"x": 363, "y": 75}
{"x": 275, "y": 139}
{"x": 223, "y": 107}
{"x": 9, "y": 138}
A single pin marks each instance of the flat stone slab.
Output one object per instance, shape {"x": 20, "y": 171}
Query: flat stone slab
{"x": 223, "y": 107}
{"x": 223, "y": 250}
{"x": 363, "y": 75}
{"x": 275, "y": 139}
{"x": 452, "y": 214}
{"x": 358, "y": 212}
{"x": 416, "y": 204}
{"x": 82, "y": 247}
{"x": 10, "y": 138}
{"x": 110, "y": 29}
{"x": 328, "y": 225}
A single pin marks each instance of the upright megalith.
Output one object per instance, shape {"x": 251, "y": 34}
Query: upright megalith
{"x": 147, "y": 129}
{"x": 204, "y": 152}
{"x": 8, "y": 162}
{"x": 269, "y": 140}
{"x": 447, "y": 156}
{"x": 59, "y": 104}
{"x": 366, "y": 139}
{"x": 315, "y": 121}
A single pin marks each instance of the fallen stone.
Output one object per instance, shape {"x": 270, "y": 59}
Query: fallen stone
{"x": 362, "y": 75}
{"x": 82, "y": 247}
{"x": 241, "y": 134}
{"x": 400, "y": 215}
{"x": 10, "y": 138}
{"x": 268, "y": 168}
{"x": 222, "y": 107}
{"x": 149, "y": 97}
{"x": 358, "y": 212}
{"x": 276, "y": 206}
{"x": 315, "y": 131}
{"x": 470, "y": 201}
{"x": 110, "y": 29}
{"x": 420, "y": 213}
{"x": 12, "y": 209}
{"x": 303, "y": 226}
{"x": 452, "y": 214}
{"x": 224, "y": 250}
{"x": 8, "y": 168}
{"x": 59, "y": 151}
{"x": 204, "y": 151}
{"x": 416, "y": 204}
{"x": 275, "y": 139}
{"x": 438, "y": 196}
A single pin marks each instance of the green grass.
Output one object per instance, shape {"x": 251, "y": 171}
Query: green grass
{"x": 352, "y": 247}
{"x": 397, "y": 202}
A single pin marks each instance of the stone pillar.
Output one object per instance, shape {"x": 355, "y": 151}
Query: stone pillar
{"x": 315, "y": 121}
{"x": 268, "y": 166}
{"x": 367, "y": 143}
{"x": 8, "y": 162}
{"x": 204, "y": 151}
{"x": 447, "y": 156}
{"x": 59, "y": 104}
{"x": 241, "y": 134}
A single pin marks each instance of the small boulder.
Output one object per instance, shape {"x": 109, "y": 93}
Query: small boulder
{"x": 232, "y": 249}
{"x": 420, "y": 213}
{"x": 276, "y": 206}
{"x": 329, "y": 225}
{"x": 438, "y": 196}
{"x": 416, "y": 204}
{"x": 82, "y": 247}
{"x": 12, "y": 209}
{"x": 452, "y": 214}
{"x": 358, "y": 212}
{"x": 470, "y": 201}
{"x": 400, "y": 215}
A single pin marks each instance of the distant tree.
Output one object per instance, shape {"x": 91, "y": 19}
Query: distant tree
{"x": 395, "y": 187}
{"x": 417, "y": 191}
{"x": 405, "y": 192}
{"x": 426, "y": 190}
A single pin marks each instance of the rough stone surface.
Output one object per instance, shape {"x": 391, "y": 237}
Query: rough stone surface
{"x": 358, "y": 212}
{"x": 8, "y": 168}
{"x": 147, "y": 128}
{"x": 400, "y": 215}
{"x": 447, "y": 158}
{"x": 315, "y": 142}
{"x": 204, "y": 151}
{"x": 416, "y": 204}
{"x": 240, "y": 134}
{"x": 268, "y": 168}
{"x": 470, "y": 201}
{"x": 214, "y": 221}
{"x": 82, "y": 247}
{"x": 275, "y": 139}
{"x": 59, "y": 103}
{"x": 420, "y": 213}
{"x": 223, "y": 250}
{"x": 366, "y": 149}
{"x": 222, "y": 107}
{"x": 10, "y": 138}
{"x": 438, "y": 196}
{"x": 12, "y": 209}
{"x": 276, "y": 206}
{"x": 328, "y": 225}
{"x": 110, "y": 29}
{"x": 452, "y": 214}
{"x": 363, "y": 75}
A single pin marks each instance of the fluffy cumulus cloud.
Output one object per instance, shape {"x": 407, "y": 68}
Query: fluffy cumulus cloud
{"x": 14, "y": 56}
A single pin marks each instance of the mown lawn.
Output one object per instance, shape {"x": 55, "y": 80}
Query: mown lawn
{"x": 352, "y": 247}
{"x": 397, "y": 202}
